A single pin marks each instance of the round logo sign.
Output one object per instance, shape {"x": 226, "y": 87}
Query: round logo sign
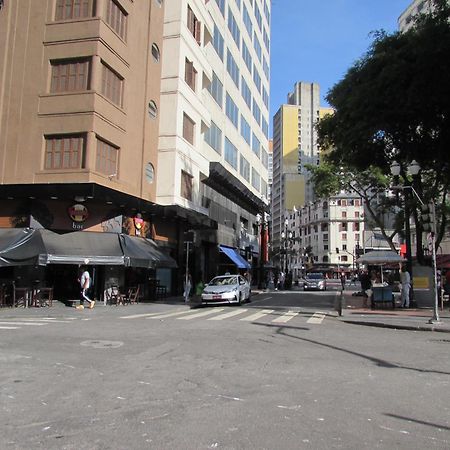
{"x": 78, "y": 213}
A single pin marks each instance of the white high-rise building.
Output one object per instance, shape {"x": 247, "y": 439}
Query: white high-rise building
{"x": 213, "y": 143}
{"x": 406, "y": 19}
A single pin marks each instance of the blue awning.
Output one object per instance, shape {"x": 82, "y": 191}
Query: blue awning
{"x": 237, "y": 259}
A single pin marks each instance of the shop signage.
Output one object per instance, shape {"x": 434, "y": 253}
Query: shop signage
{"x": 138, "y": 224}
{"x": 78, "y": 213}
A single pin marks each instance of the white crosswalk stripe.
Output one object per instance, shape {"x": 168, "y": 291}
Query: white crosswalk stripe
{"x": 228, "y": 314}
{"x": 317, "y": 318}
{"x": 23, "y": 323}
{"x": 201, "y": 314}
{"x": 173, "y": 314}
{"x": 285, "y": 317}
{"x": 15, "y": 324}
{"x": 257, "y": 315}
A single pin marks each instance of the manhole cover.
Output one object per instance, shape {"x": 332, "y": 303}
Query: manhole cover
{"x": 102, "y": 344}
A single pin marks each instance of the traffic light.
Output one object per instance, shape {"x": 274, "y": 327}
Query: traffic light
{"x": 428, "y": 217}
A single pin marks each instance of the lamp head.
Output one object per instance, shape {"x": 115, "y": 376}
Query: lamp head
{"x": 414, "y": 168}
{"x": 395, "y": 168}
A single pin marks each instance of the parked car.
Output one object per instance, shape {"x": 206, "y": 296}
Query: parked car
{"x": 226, "y": 289}
{"x": 315, "y": 281}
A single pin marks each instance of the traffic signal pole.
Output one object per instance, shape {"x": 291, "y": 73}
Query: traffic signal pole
{"x": 435, "y": 318}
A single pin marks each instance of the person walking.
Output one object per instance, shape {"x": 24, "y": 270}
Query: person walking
{"x": 405, "y": 279}
{"x": 85, "y": 284}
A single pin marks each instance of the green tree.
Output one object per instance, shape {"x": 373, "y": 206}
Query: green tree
{"x": 393, "y": 104}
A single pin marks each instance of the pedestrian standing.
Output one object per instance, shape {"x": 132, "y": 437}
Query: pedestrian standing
{"x": 343, "y": 280}
{"x": 405, "y": 279}
{"x": 85, "y": 284}
{"x": 187, "y": 287}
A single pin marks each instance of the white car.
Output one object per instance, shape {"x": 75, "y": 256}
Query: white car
{"x": 315, "y": 281}
{"x": 226, "y": 289}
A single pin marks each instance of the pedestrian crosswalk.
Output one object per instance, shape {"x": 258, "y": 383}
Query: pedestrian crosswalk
{"x": 25, "y": 322}
{"x": 239, "y": 314}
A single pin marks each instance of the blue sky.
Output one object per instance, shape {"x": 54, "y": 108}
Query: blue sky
{"x": 318, "y": 40}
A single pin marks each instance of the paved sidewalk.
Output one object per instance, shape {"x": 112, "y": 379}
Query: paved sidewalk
{"x": 399, "y": 318}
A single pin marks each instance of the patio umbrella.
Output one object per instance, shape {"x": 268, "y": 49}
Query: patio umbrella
{"x": 380, "y": 258}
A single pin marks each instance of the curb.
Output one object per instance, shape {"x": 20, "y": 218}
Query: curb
{"x": 398, "y": 327}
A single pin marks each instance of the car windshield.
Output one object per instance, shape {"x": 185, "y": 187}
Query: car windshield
{"x": 223, "y": 281}
{"x": 314, "y": 276}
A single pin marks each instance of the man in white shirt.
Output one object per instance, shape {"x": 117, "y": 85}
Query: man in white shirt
{"x": 85, "y": 284}
{"x": 405, "y": 279}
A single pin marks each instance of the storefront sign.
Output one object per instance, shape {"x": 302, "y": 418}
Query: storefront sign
{"x": 78, "y": 213}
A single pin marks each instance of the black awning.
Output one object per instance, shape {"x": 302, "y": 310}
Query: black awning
{"x": 142, "y": 252}
{"x": 83, "y": 247}
{"x": 20, "y": 247}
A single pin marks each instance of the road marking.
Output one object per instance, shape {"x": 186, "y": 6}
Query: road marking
{"x": 8, "y": 328}
{"x": 317, "y": 318}
{"x": 44, "y": 320}
{"x": 201, "y": 314}
{"x": 137, "y": 316}
{"x": 228, "y": 314}
{"x": 176, "y": 313}
{"x": 23, "y": 323}
{"x": 262, "y": 300}
{"x": 257, "y": 315}
{"x": 285, "y": 317}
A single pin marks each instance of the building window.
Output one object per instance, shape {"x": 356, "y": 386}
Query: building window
{"x": 232, "y": 68}
{"x": 64, "y": 152}
{"x": 231, "y": 153}
{"x": 190, "y": 74}
{"x": 74, "y": 9}
{"x": 256, "y": 146}
{"x": 234, "y": 28}
{"x": 344, "y": 258}
{"x": 232, "y": 111}
{"x": 194, "y": 25}
{"x": 112, "y": 85}
{"x": 344, "y": 236}
{"x": 216, "y": 90}
{"x": 155, "y": 52}
{"x": 344, "y": 214}
{"x": 245, "y": 130}
{"x": 244, "y": 168}
{"x": 218, "y": 42}
{"x": 214, "y": 137}
{"x": 152, "y": 109}
{"x": 70, "y": 76}
{"x": 186, "y": 185}
{"x": 106, "y": 158}
{"x": 221, "y": 5}
{"x": 256, "y": 180}
{"x": 116, "y": 18}
{"x": 188, "y": 128}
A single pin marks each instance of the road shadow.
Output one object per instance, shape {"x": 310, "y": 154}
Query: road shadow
{"x": 421, "y": 422}
{"x": 281, "y": 330}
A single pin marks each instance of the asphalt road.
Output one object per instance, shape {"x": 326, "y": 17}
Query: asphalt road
{"x": 279, "y": 373}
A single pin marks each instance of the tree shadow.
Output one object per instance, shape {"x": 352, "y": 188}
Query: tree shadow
{"x": 421, "y": 422}
{"x": 281, "y": 330}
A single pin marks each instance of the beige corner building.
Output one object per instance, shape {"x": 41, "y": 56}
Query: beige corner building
{"x": 79, "y": 99}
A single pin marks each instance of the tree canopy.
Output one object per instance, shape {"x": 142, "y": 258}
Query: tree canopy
{"x": 394, "y": 104}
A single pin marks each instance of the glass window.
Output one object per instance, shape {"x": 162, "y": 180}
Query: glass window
{"x": 247, "y": 21}
{"x": 106, "y": 158}
{"x": 266, "y": 69}
{"x": 244, "y": 168}
{"x": 74, "y": 9}
{"x": 221, "y": 5}
{"x": 246, "y": 93}
{"x": 112, "y": 85}
{"x": 245, "y": 130}
{"x": 232, "y": 68}
{"x": 186, "y": 185}
{"x": 265, "y": 158}
{"x": 256, "y": 146}
{"x": 256, "y": 112}
{"x": 213, "y": 137}
{"x": 266, "y": 39}
{"x": 232, "y": 111}
{"x": 265, "y": 97}
{"x": 256, "y": 78}
{"x": 257, "y": 46}
{"x": 64, "y": 152}
{"x": 190, "y": 74}
{"x": 265, "y": 127}
{"x": 116, "y": 18}
{"x": 70, "y": 76}
{"x": 231, "y": 153}
{"x": 234, "y": 29}
{"x": 188, "y": 128}
{"x": 155, "y": 52}
{"x": 194, "y": 25}
{"x": 216, "y": 90}
{"x": 256, "y": 179}
{"x": 218, "y": 42}
{"x": 258, "y": 16}
{"x": 247, "y": 56}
